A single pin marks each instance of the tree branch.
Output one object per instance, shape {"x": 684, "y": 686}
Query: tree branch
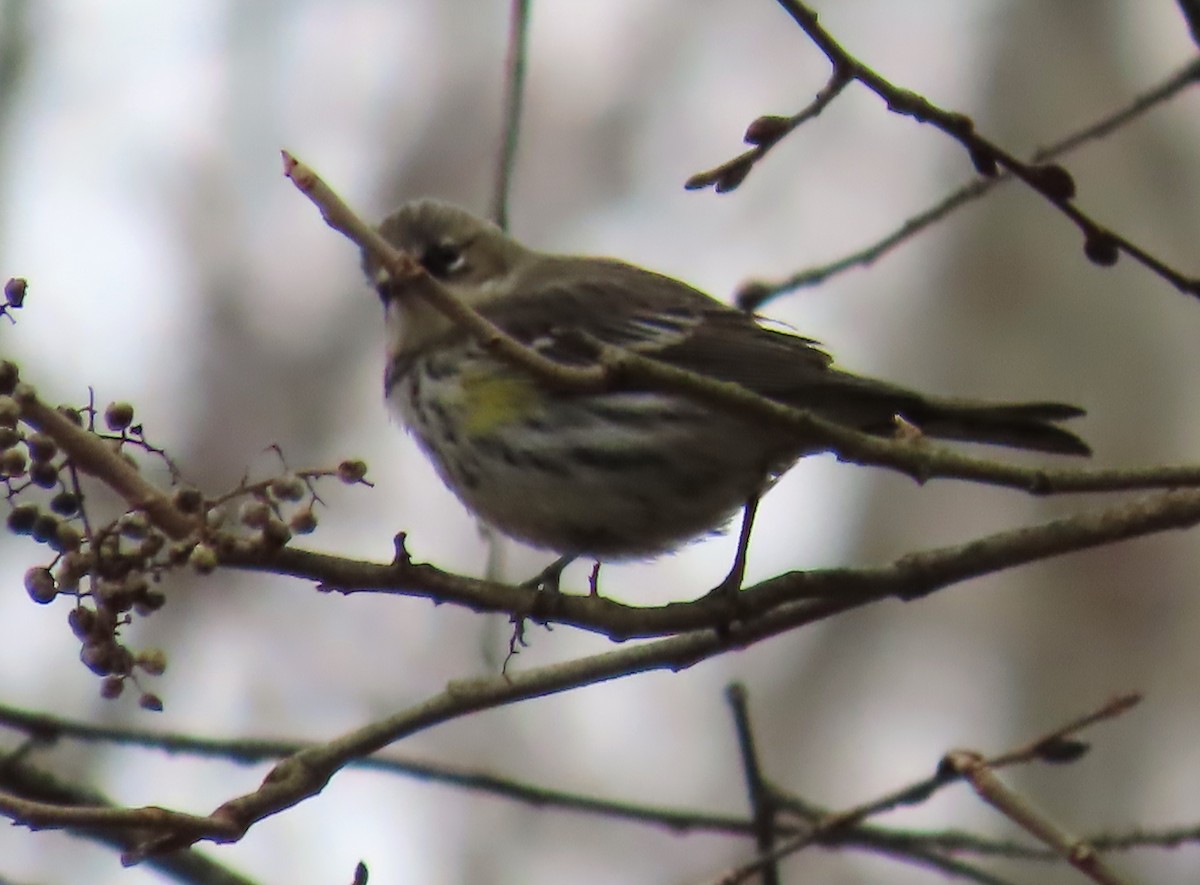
{"x": 1102, "y": 245}
{"x": 753, "y": 294}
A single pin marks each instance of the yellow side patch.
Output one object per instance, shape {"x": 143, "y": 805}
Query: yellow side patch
{"x": 492, "y": 399}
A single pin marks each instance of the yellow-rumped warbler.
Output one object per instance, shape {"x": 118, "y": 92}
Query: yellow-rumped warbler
{"x": 621, "y": 474}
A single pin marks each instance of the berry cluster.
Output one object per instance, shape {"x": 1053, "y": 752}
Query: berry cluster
{"x": 112, "y": 571}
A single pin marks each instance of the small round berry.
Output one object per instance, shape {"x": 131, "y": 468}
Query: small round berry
{"x": 178, "y": 553}
{"x": 352, "y": 471}
{"x": 111, "y": 687}
{"x": 41, "y": 446}
{"x": 118, "y": 416}
{"x": 9, "y": 437}
{"x": 203, "y": 559}
{"x": 303, "y": 522}
{"x": 65, "y": 503}
{"x": 21, "y": 519}
{"x": 40, "y": 586}
{"x": 71, "y": 414}
{"x": 109, "y": 547}
{"x": 254, "y": 513}
{"x": 13, "y": 463}
{"x": 150, "y": 701}
{"x": 98, "y": 657}
{"x": 45, "y": 527}
{"x": 44, "y": 474}
{"x": 15, "y": 290}
{"x": 288, "y": 488}
{"x": 82, "y": 622}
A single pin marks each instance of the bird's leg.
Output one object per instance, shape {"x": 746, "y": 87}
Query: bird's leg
{"x": 547, "y": 578}
{"x": 731, "y": 586}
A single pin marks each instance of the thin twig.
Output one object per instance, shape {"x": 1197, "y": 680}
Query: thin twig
{"x": 46, "y": 728}
{"x": 514, "y": 94}
{"x": 1102, "y": 245}
{"x": 762, "y": 803}
{"x": 830, "y": 827}
{"x": 338, "y": 215}
{"x": 31, "y": 783}
{"x": 1077, "y": 852}
{"x": 753, "y": 294}
{"x": 764, "y": 133}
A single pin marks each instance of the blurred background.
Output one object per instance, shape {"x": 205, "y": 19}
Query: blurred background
{"x": 170, "y": 264}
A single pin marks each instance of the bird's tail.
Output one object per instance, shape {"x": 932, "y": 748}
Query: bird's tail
{"x": 1019, "y": 425}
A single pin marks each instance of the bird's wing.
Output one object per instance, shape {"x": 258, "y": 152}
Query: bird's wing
{"x": 656, "y": 316}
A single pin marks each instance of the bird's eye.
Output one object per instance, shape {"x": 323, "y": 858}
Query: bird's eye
{"x": 443, "y": 259}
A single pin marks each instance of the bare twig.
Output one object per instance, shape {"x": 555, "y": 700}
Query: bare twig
{"x": 764, "y": 133}
{"x": 245, "y": 751}
{"x": 762, "y": 800}
{"x": 342, "y": 218}
{"x": 753, "y": 294}
{"x": 921, "y": 847}
{"x": 45, "y": 728}
{"x": 1102, "y": 245}
{"x": 306, "y": 773}
{"x": 829, "y": 827}
{"x": 32, "y": 784}
{"x": 1077, "y": 852}
{"x": 514, "y": 93}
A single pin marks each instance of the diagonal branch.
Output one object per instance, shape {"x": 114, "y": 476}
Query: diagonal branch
{"x": 807, "y": 596}
{"x": 1102, "y": 245}
{"x": 753, "y": 294}
{"x": 831, "y": 827}
{"x": 764, "y": 133}
{"x": 30, "y": 784}
{"x": 1078, "y": 853}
